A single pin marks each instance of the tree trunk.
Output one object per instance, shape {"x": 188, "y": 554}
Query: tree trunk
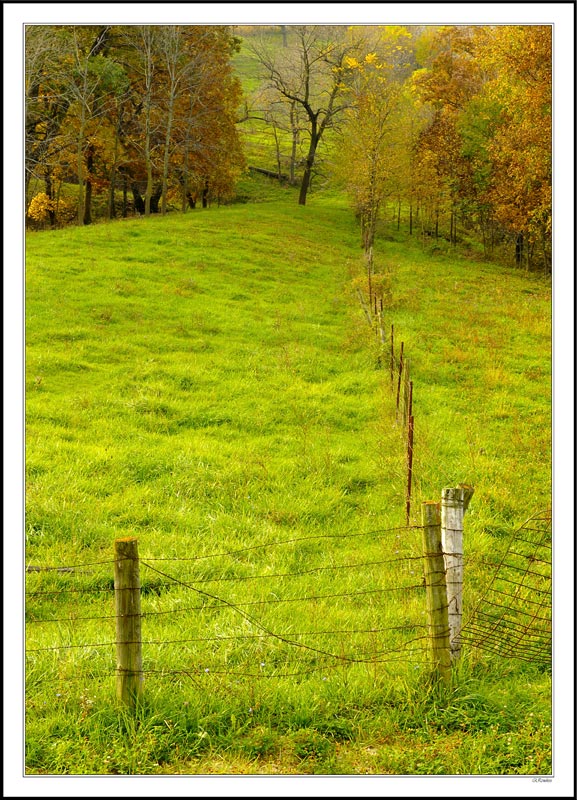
{"x": 148, "y": 192}
{"x": 167, "y": 154}
{"x": 139, "y": 203}
{"x": 113, "y": 170}
{"x": 88, "y": 193}
{"x": 277, "y": 151}
{"x": 519, "y": 249}
{"x": 305, "y": 183}
{"x": 294, "y": 144}
{"x": 50, "y": 193}
{"x": 125, "y": 196}
{"x": 309, "y": 163}
{"x": 155, "y": 199}
{"x": 80, "y": 176}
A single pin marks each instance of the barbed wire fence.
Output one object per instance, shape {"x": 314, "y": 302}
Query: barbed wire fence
{"x": 513, "y": 618}
{"x": 396, "y": 363}
{"x": 282, "y": 627}
{"x": 234, "y": 627}
{"x": 390, "y": 613}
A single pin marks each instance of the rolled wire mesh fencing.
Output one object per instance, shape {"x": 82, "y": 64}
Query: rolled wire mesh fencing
{"x": 513, "y": 617}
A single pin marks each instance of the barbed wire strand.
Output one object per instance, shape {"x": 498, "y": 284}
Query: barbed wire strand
{"x": 89, "y": 590}
{"x": 205, "y": 607}
{"x": 240, "y": 636}
{"x": 248, "y": 617}
{"x": 348, "y": 535}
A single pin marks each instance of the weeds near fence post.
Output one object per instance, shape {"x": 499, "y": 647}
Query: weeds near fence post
{"x": 436, "y": 591}
{"x": 454, "y": 503}
{"x": 129, "y": 676}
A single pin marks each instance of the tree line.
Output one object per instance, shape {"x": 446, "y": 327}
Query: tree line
{"x": 144, "y": 112}
{"x": 450, "y": 125}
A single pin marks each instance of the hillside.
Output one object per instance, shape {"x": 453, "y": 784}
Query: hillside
{"x": 208, "y": 383}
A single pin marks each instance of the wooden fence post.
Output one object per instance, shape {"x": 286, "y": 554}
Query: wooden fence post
{"x": 400, "y": 376}
{"x": 436, "y": 591}
{"x": 410, "y": 438}
{"x": 364, "y": 306}
{"x": 129, "y": 676}
{"x": 380, "y": 324}
{"x": 454, "y": 503}
{"x": 405, "y": 400}
{"x": 392, "y": 356}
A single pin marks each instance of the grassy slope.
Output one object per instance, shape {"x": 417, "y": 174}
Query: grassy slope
{"x": 206, "y": 382}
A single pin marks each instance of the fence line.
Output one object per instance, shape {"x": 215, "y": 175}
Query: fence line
{"x": 274, "y": 601}
{"x": 249, "y": 617}
{"x": 352, "y": 641}
{"x": 347, "y": 535}
{"x": 235, "y": 637}
{"x": 521, "y": 630}
{"x": 404, "y": 385}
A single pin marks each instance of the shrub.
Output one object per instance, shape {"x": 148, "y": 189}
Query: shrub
{"x": 40, "y": 207}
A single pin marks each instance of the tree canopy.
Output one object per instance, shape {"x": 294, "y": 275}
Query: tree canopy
{"x": 452, "y": 124}
{"x": 149, "y": 109}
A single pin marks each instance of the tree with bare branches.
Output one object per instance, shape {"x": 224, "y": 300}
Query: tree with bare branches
{"x": 312, "y": 73}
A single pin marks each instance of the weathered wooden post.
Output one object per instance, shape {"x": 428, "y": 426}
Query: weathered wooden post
{"x": 392, "y": 356}
{"x": 380, "y": 324}
{"x": 400, "y": 376}
{"x": 405, "y": 400}
{"x": 410, "y": 439}
{"x": 454, "y": 503}
{"x": 436, "y": 591}
{"x": 369, "y": 255}
{"x": 129, "y": 676}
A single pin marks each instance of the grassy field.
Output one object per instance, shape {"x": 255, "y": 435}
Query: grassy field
{"x": 208, "y": 383}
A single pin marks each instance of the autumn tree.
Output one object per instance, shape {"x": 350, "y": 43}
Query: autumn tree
{"x": 68, "y": 78}
{"x": 311, "y": 72}
{"x": 287, "y": 123}
{"x": 150, "y": 107}
{"x": 181, "y": 65}
{"x": 374, "y": 143}
{"x": 448, "y": 82}
{"x": 183, "y": 132}
{"x": 518, "y": 59}
{"x": 45, "y": 107}
{"x": 94, "y": 79}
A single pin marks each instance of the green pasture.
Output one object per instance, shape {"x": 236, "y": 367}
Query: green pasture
{"x": 207, "y": 382}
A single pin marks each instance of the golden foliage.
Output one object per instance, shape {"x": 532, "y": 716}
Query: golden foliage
{"x": 40, "y": 207}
